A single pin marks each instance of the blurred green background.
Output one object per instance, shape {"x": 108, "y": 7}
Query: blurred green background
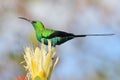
{"x": 90, "y": 58}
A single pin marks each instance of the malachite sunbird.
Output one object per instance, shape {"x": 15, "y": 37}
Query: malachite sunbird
{"x": 56, "y": 37}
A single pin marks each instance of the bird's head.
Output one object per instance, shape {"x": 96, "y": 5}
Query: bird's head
{"x": 38, "y": 25}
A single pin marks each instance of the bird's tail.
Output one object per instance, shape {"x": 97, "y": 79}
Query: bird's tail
{"x": 84, "y": 35}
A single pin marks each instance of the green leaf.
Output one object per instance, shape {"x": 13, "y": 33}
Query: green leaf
{"x": 37, "y": 78}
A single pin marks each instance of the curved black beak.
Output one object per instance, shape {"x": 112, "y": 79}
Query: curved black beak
{"x": 25, "y": 19}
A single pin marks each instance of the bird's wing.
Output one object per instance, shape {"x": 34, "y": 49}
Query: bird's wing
{"x": 47, "y": 32}
{"x": 59, "y": 34}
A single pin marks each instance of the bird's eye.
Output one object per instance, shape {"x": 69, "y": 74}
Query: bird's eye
{"x": 33, "y": 21}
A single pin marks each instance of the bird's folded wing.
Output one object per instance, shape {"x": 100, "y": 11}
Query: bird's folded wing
{"x": 59, "y": 34}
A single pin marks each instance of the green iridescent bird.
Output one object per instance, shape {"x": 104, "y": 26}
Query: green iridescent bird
{"x": 56, "y": 37}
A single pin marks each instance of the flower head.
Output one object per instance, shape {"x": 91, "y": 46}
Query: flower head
{"x": 39, "y": 63}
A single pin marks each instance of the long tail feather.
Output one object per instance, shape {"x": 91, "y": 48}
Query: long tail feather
{"x": 84, "y": 35}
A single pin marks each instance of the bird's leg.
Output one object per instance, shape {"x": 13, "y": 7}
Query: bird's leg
{"x": 53, "y": 45}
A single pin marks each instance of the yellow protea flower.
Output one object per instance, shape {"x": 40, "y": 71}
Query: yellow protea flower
{"x": 40, "y": 62}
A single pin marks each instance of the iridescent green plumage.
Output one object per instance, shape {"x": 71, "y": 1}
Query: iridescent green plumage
{"x": 44, "y": 34}
{"x": 56, "y": 37}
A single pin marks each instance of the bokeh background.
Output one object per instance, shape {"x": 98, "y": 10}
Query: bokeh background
{"x": 90, "y": 58}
